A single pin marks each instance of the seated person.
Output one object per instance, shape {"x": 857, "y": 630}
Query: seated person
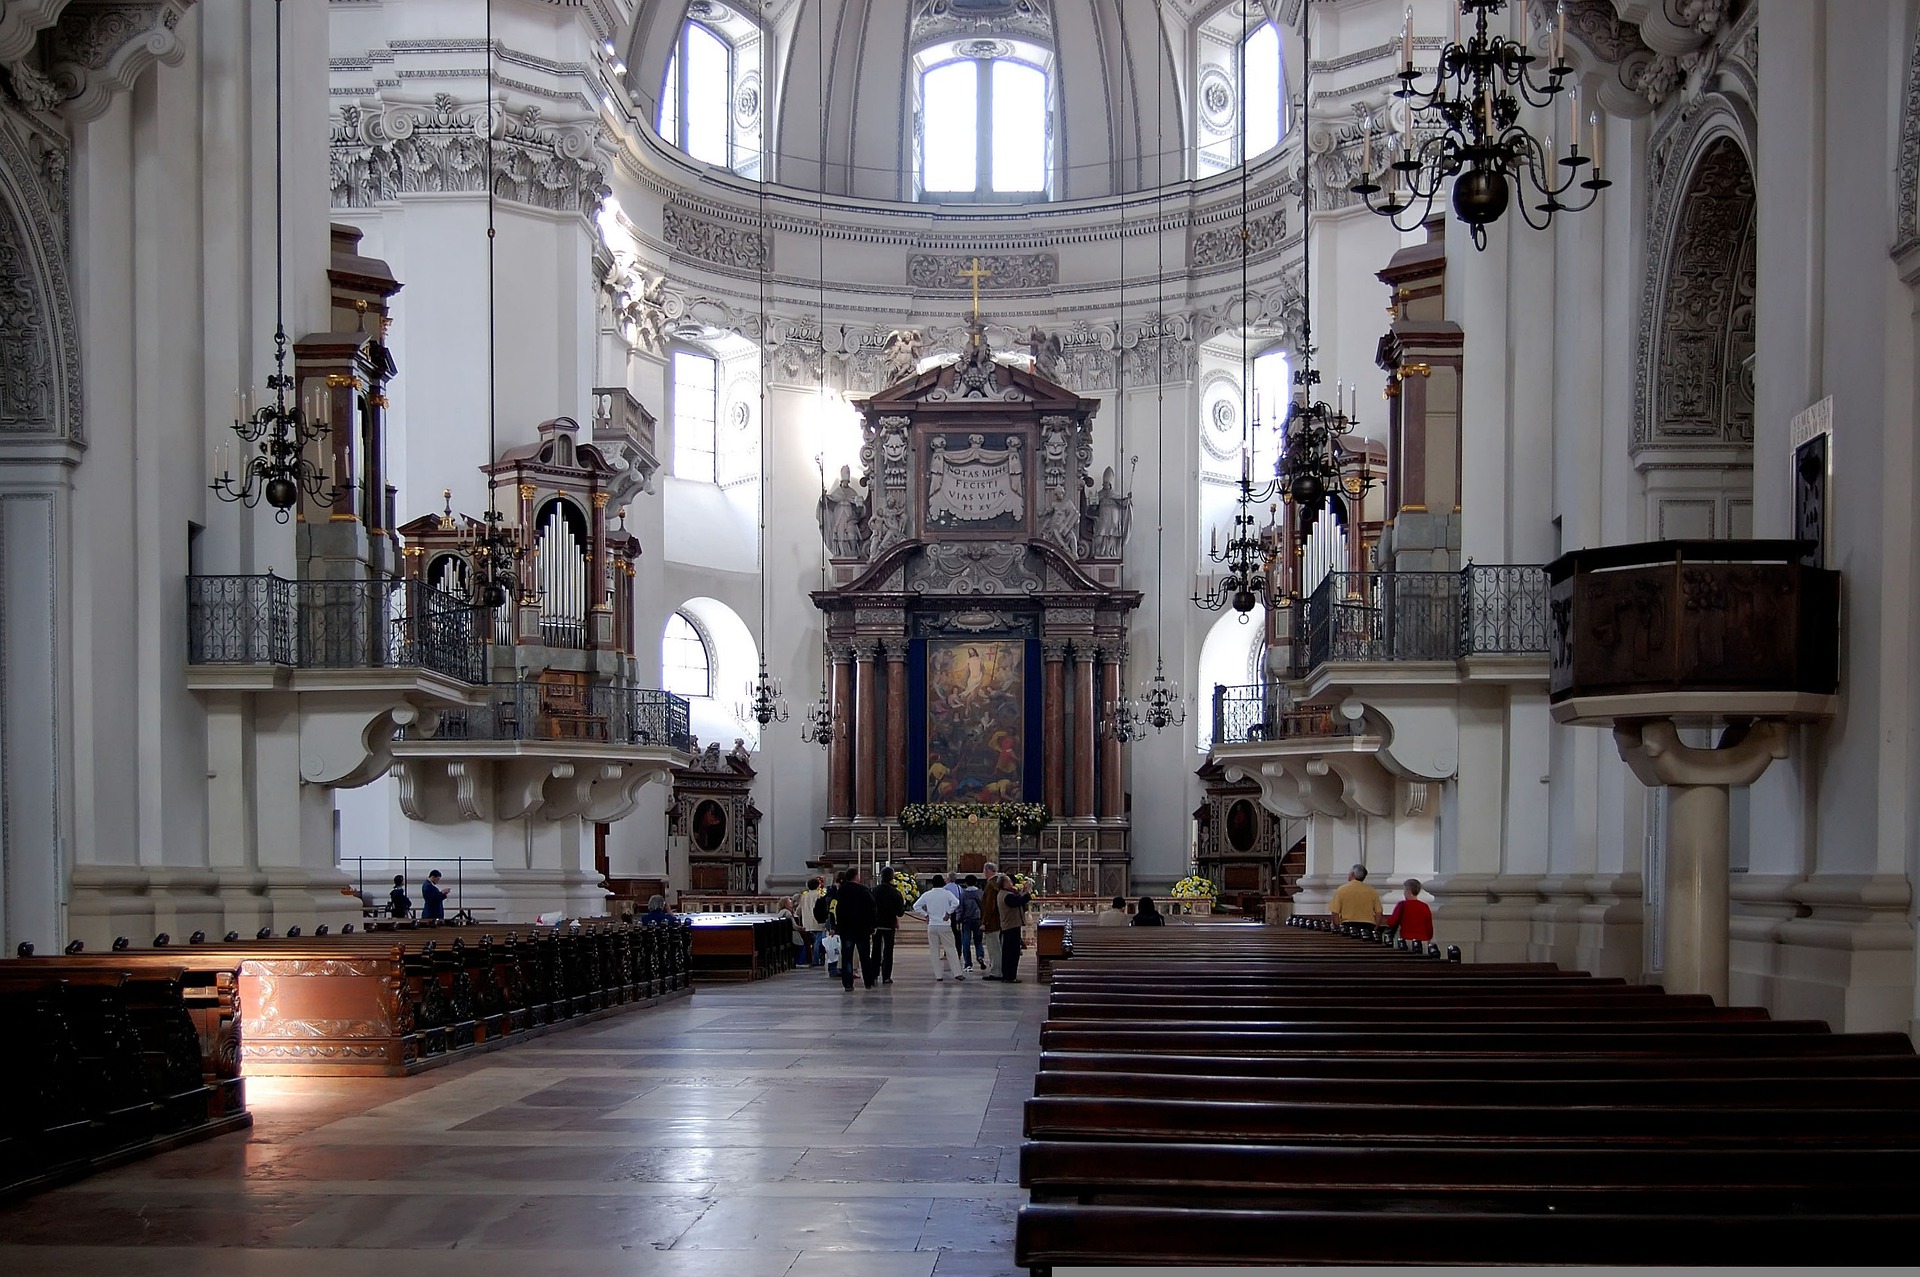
{"x": 1355, "y": 901}
{"x": 1411, "y": 917}
{"x": 656, "y": 910}
{"x": 1148, "y": 914}
{"x": 1114, "y": 915}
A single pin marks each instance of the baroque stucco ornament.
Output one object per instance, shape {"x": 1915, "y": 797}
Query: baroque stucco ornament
{"x": 381, "y": 151}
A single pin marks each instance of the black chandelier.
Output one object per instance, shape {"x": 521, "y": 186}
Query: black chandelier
{"x": 1478, "y": 89}
{"x": 493, "y": 548}
{"x": 275, "y": 436}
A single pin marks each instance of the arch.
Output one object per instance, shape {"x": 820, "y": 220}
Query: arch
{"x": 1906, "y": 175}
{"x": 1689, "y": 201}
{"x": 734, "y": 659}
{"x": 686, "y": 657}
{"x": 39, "y": 350}
{"x": 1231, "y": 654}
{"x": 1702, "y": 387}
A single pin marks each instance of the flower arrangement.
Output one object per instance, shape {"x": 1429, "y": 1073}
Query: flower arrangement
{"x": 1015, "y": 816}
{"x": 1026, "y": 885}
{"x": 1194, "y": 887}
{"x": 904, "y": 883}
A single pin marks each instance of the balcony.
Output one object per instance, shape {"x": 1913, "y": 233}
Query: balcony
{"x": 1373, "y": 617}
{"x": 1255, "y": 713}
{"x": 597, "y": 714}
{"x": 379, "y": 624}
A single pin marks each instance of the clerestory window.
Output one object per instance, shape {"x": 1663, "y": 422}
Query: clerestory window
{"x": 1242, "y": 92}
{"x": 686, "y": 664}
{"x": 696, "y": 416}
{"x": 711, "y": 102}
{"x": 984, "y": 121}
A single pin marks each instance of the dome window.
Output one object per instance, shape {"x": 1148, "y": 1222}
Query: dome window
{"x": 1242, "y": 92}
{"x": 711, "y": 104}
{"x": 983, "y": 121}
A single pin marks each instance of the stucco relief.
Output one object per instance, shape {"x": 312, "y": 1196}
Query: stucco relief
{"x": 1005, "y": 271}
{"x": 1695, "y": 384}
{"x": 719, "y": 243}
{"x": 983, "y": 567}
{"x": 381, "y": 151}
{"x": 1907, "y": 167}
{"x": 39, "y": 356}
{"x": 97, "y": 50}
{"x": 1221, "y": 244}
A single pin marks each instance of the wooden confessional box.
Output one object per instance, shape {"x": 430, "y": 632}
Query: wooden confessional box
{"x": 712, "y": 809}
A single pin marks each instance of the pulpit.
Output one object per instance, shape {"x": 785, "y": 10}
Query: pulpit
{"x": 977, "y": 622}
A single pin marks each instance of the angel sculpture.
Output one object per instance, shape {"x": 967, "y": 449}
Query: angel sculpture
{"x": 903, "y": 349}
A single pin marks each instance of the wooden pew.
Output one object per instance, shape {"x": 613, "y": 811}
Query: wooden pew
{"x": 393, "y": 1001}
{"x": 1305, "y": 1097}
{"x": 102, "y": 1065}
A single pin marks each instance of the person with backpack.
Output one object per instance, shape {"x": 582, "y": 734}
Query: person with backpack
{"x": 812, "y": 918}
{"x": 972, "y": 943}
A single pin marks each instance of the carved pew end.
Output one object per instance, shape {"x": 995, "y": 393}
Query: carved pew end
{"x": 230, "y": 937}
{"x": 323, "y": 930}
{"x": 24, "y": 949}
{"x": 265, "y": 933}
{"x": 347, "y": 930}
{"x": 293, "y": 933}
{"x": 1453, "y": 953}
{"x": 162, "y": 940}
{"x": 198, "y": 937}
{"x": 121, "y": 944}
{"x": 76, "y": 946}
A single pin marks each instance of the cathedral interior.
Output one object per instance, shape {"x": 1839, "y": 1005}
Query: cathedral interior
{"x": 606, "y": 449}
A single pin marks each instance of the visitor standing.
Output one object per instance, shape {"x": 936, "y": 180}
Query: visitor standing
{"x": 990, "y": 918}
{"x": 1013, "y": 916}
{"x": 853, "y": 918}
{"x": 812, "y": 920}
{"x": 972, "y": 950}
{"x": 937, "y": 905}
{"x": 887, "y": 908}
{"x": 433, "y": 901}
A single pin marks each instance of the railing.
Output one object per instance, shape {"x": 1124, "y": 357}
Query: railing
{"x": 1257, "y": 712}
{"x": 1427, "y": 616}
{"x": 382, "y": 623}
{"x": 597, "y": 713}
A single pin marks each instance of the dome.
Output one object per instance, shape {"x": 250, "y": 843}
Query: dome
{"x": 1092, "y": 91}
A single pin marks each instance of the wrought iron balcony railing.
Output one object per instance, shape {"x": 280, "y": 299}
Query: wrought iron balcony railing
{"x": 383, "y": 623}
{"x": 1427, "y": 616}
{"x": 1256, "y": 712}
{"x": 596, "y": 713}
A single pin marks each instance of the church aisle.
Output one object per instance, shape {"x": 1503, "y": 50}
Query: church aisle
{"x": 763, "y": 1130}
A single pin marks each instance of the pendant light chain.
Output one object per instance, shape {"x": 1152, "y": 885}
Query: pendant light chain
{"x": 1160, "y": 704}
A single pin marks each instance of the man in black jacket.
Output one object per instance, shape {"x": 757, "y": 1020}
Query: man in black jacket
{"x": 888, "y": 905}
{"x": 854, "y": 916}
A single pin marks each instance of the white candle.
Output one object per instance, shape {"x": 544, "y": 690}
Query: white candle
{"x": 1560, "y": 34}
{"x": 1595, "y": 119}
{"x": 1366, "y": 152}
{"x": 1406, "y": 40}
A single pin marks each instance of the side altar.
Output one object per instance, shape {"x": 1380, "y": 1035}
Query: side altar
{"x": 977, "y": 624}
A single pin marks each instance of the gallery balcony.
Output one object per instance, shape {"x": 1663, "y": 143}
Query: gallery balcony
{"x": 250, "y": 632}
{"x": 1308, "y": 759}
{"x": 552, "y": 748}
{"x": 1381, "y": 617}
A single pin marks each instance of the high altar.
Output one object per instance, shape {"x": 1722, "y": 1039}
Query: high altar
{"x": 976, "y": 622}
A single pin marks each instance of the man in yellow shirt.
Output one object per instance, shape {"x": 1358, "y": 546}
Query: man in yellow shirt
{"x": 1355, "y": 901}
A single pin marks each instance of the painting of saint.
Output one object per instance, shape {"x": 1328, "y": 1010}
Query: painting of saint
{"x": 976, "y": 720}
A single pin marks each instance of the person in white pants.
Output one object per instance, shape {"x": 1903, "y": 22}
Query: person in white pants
{"x": 937, "y": 906}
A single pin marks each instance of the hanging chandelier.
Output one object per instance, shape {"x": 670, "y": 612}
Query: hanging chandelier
{"x": 1160, "y": 704}
{"x": 494, "y": 551}
{"x": 275, "y": 436}
{"x": 1121, "y": 722}
{"x": 1475, "y": 138}
{"x": 818, "y": 727}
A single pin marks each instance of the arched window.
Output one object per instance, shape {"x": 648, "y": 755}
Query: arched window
{"x": 1242, "y": 92}
{"x": 983, "y": 120}
{"x": 686, "y": 666}
{"x": 696, "y": 415}
{"x": 711, "y": 102}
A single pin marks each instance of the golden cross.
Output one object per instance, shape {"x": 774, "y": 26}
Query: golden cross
{"x": 977, "y": 274}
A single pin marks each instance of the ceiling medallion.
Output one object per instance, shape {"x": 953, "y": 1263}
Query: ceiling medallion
{"x": 983, "y": 49}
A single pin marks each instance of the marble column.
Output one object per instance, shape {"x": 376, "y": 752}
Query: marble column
{"x": 1112, "y": 780}
{"x": 1083, "y": 729}
{"x": 1053, "y": 727}
{"x": 840, "y": 756}
{"x": 866, "y": 799}
{"x": 896, "y": 795}
{"x": 1695, "y": 925}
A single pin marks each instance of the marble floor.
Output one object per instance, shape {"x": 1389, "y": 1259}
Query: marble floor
{"x": 778, "y": 1129}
